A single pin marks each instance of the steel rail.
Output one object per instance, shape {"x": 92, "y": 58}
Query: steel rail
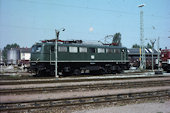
{"x": 37, "y": 104}
{"x": 75, "y": 80}
{"x": 119, "y": 85}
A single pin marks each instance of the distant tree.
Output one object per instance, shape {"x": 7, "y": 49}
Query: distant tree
{"x": 8, "y": 47}
{"x": 135, "y": 46}
{"x": 149, "y": 46}
{"x": 117, "y": 39}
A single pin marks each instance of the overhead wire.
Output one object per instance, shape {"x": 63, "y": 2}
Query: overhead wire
{"x": 89, "y": 8}
{"x": 72, "y": 6}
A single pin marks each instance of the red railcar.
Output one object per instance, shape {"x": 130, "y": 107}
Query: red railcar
{"x": 165, "y": 58}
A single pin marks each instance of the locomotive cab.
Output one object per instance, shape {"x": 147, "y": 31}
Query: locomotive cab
{"x": 38, "y": 61}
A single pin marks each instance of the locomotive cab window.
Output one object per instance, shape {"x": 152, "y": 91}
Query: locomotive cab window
{"x": 36, "y": 48}
{"x": 73, "y": 49}
{"x": 62, "y": 49}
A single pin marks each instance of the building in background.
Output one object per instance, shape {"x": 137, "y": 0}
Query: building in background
{"x": 134, "y": 57}
{"x": 1, "y": 61}
{"x": 25, "y": 55}
{"x": 13, "y": 56}
{"x": 18, "y": 56}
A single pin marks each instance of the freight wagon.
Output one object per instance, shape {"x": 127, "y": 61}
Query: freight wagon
{"x": 165, "y": 59}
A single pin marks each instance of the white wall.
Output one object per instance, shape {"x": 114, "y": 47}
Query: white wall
{"x": 25, "y": 56}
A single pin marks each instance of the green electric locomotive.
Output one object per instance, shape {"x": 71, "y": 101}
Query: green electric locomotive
{"x": 74, "y": 57}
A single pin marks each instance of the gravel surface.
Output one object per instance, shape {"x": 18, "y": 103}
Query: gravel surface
{"x": 77, "y": 83}
{"x": 155, "y": 107}
{"x": 70, "y": 94}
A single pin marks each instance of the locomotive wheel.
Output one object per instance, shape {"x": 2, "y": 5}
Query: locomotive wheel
{"x": 41, "y": 73}
{"x": 119, "y": 69}
{"x": 77, "y": 72}
{"x": 109, "y": 71}
{"x": 101, "y": 71}
{"x": 64, "y": 74}
{"x": 94, "y": 72}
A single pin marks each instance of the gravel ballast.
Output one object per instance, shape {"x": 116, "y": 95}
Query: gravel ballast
{"x": 155, "y": 107}
{"x": 69, "y": 94}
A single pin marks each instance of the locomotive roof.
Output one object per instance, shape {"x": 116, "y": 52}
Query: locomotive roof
{"x": 82, "y": 45}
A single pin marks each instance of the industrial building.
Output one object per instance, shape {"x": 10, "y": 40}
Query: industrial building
{"x": 18, "y": 56}
{"x": 134, "y": 57}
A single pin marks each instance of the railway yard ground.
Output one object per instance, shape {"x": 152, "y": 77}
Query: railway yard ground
{"x": 129, "y": 92}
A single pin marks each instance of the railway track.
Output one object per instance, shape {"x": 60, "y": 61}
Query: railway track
{"x": 9, "y": 77}
{"x": 37, "y": 104}
{"x": 119, "y": 85}
{"x": 44, "y": 81}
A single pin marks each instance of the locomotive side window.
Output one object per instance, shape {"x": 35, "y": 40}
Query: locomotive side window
{"x": 116, "y": 50}
{"x": 109, "y": 50}
{"x": 92, "y": 50}
{"x": 36, "y": 48}
{"x": 73, "y": 49}
{"x": 100, "y": 50}
{"x": 82, "y": 49}
{"x": 62, "y": 49}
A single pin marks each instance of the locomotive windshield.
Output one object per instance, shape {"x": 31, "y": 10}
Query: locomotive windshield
{"x": 36, "y": 48}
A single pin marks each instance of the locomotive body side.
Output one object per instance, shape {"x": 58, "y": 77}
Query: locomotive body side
{"x": 78, "y": 58}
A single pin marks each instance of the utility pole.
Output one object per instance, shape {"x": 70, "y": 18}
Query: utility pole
{"x": 142, "y": 49}
{"x": 56, "y": 51}
{"x": 158, "y": 55}
{"x": 152, "y": 42}
{"x": 159, "y": 71}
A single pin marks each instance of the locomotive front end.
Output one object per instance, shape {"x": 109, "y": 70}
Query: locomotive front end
{"x": 36, "y": 57}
